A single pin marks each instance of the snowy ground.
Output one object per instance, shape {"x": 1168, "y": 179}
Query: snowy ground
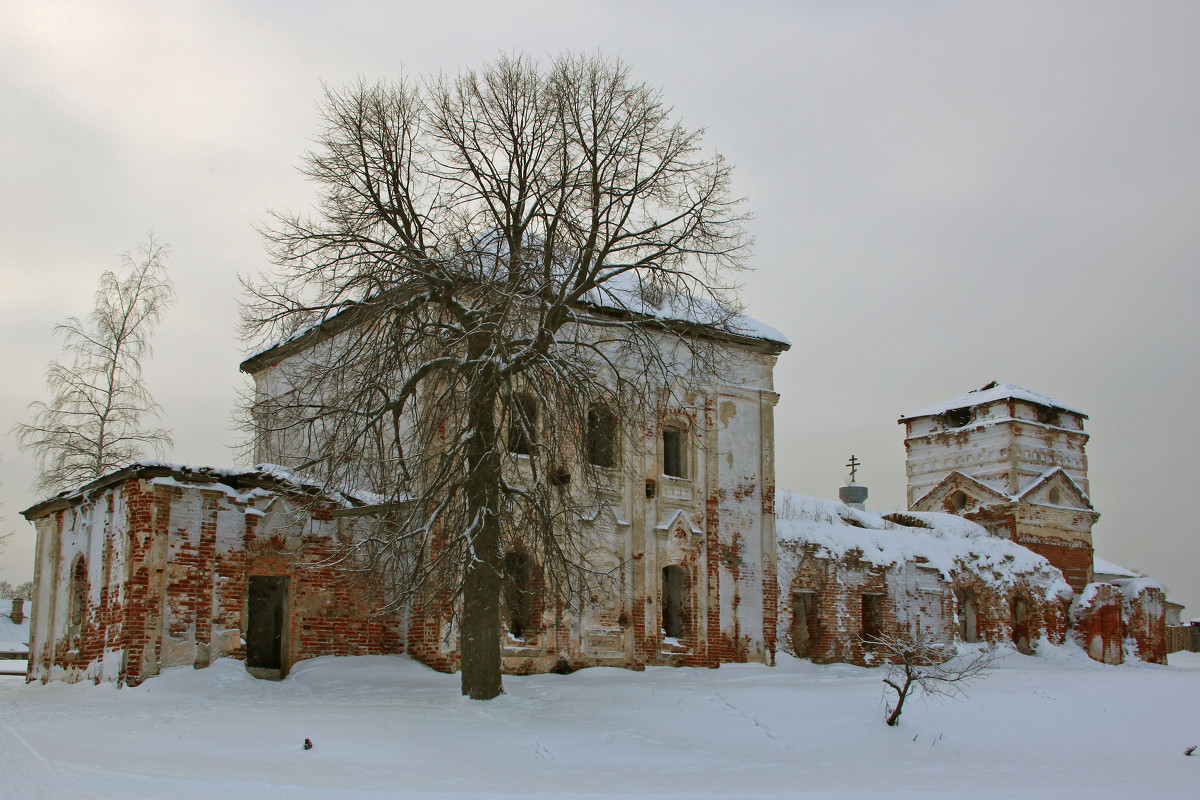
{"x": 384, "y": 726}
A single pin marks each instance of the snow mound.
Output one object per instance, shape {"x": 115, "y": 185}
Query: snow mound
{"x": 949, "y": 544}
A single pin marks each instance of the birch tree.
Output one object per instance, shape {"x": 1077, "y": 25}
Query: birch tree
{"x": 505, "y": 271}
{"x": 100, "y": 414}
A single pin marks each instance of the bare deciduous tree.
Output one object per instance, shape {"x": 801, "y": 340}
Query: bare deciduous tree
{"x": 95, "y": 419}
{"x": 506, "y": 269}
{"x": 925, "y": 661}
{"x": 20, "y": 591}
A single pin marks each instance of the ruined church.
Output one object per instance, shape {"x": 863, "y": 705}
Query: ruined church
{"x": 996, "y": 544}
{"x": 156, "y": 565}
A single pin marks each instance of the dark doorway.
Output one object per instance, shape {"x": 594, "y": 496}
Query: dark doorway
{"x": 264, "y": 625}
{"x": 805, "y": 623}
{"x": 672, "y": 601}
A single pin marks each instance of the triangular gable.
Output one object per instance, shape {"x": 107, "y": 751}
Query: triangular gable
{"x": 1070, "y": 495}
{"x": 936, "y": 499}
{"x": 678, "y": 516}
{"x": 604, "y": 513}
{"x": 278, "y": 517}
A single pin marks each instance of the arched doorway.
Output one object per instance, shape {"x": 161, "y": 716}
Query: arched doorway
{"x": 968, "y": 616}
{"x": 1020, "y": 625}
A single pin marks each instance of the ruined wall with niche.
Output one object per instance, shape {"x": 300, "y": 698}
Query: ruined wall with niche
{"x": 910, "y": 574}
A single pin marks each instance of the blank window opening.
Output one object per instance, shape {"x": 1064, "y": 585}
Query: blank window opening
{"x": 674, "y": 452}
{"x": 601, "y": 436}
{"x": 872, "y": 616}
{"x": 805, "y": 623}
{"x": 518, "y": 595}
{"x": 672, "y": 601}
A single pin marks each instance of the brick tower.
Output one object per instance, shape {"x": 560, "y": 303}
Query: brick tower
{"x": 1013, "y": 461}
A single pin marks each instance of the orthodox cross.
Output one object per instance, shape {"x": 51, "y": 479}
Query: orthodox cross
{"x": 853, "y": 465}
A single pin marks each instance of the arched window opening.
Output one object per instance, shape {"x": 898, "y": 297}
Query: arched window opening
{"x": 968, "y": 617}
{"x": 806, "y": 623}
{"x": 522, "y": 425}
{"x": 674, "y": 451}
{"x": 601, "y": 436}
{"x": 1020, "y": 625}
{"x": 958, "y": 500}
{"x": 674, "y": 583}
{"x": 1049, "y": 416}
{"x": 518, "y": 595}
{"x": 957, "y": 417}
{"x": 78, "y": 598}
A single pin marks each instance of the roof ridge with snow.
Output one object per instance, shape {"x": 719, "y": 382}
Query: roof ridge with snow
{"x": 995, "y": 390}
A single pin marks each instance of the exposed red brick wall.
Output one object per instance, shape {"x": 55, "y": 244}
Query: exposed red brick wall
{"x": 1146, "y": 623}
{"x": 840, "y": 584}
{"x": 1097, "y": 622}
{"x": 177, "y": 564}
{"x": 1073, "y": 559}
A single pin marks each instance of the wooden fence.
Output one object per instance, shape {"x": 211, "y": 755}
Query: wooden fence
{"x": 1183, "y": 637}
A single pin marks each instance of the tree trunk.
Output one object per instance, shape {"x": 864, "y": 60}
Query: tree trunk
{"x": 480, "y": 639}
{"x": 479, "y": 643}
{"x": 901, "y": 695}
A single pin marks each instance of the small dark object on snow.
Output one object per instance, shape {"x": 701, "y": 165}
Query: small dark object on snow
{"x": 1190, "y": 750}
{"x": 308, "y": 744}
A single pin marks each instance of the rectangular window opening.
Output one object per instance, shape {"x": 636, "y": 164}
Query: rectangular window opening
{"x": 872, "y": 616}
{"x": 674, "y": 453}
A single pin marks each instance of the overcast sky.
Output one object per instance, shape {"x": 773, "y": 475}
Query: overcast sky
{"x": 944, "y": 194}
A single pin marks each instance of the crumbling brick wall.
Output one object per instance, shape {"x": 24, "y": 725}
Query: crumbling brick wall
{"x": 162, "y": 568}
{"x": 1097, "y": 622}
{"x": 1145, "y": 609}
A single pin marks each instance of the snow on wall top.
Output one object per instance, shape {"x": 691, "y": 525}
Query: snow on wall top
{"x": 1102, "y": 567}
{"x": 241, "y": 484}
{"x": 989, "y": 393}
{"x": 951, "y": 544}
{"x": 14, "y": 638}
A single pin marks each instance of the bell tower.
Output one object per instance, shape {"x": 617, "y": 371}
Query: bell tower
{"x": 1012, "y": 460}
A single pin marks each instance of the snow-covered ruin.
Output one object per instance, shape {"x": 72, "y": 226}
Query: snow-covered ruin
{"x": 157, "y": 565}
{"x": 162, "y": 565}
{"x": 996, "y": 545}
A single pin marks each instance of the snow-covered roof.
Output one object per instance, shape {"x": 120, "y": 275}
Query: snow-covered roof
{"x": 950, "y": 544}
{"x": 1046, "y": 477}
{"x": 1102, "y": 567}
{"x": 625, "y": 293}
{"x": 14, "y": 637}
{"x": 238, "y": 482}
{"x": 622, "y": 294}
{"x": 989, "y": 393}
